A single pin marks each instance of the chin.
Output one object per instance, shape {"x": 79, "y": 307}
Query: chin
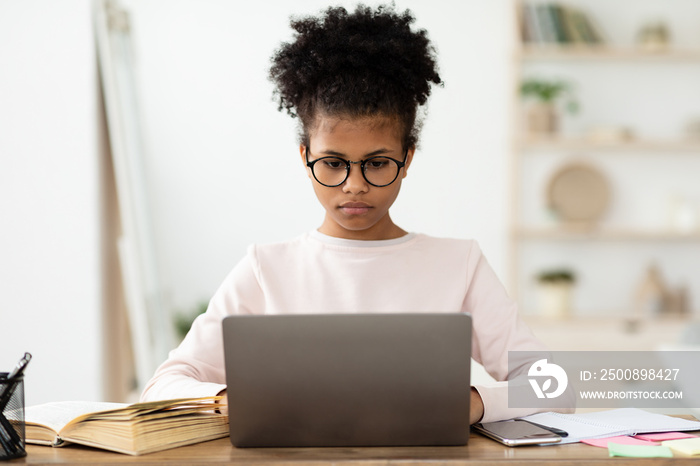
{"x": 356, "y": 226}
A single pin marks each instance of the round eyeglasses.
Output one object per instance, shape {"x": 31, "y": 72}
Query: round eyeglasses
{"x": 379, "y": 171}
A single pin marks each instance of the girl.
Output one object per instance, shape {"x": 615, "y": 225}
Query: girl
{"x": 355, "y": 81}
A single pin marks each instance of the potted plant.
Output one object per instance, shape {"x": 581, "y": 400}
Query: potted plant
{"x": 555, "y": 291}
{"x": 183, "y": 320}
{"x": 542, "y": 116}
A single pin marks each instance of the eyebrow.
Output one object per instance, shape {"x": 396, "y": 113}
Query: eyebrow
{"x": 333, "y": 153}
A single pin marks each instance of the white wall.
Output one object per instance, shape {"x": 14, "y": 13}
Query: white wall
{"x": 49, "y": 217}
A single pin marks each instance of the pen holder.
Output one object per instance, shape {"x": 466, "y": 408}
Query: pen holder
{"x": 12, "y": 435}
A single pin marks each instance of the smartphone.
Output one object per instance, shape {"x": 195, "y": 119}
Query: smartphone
{"x": 515, "y": 433}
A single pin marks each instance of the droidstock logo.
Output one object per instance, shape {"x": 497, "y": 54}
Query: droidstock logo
{"x": 547, "y": 371}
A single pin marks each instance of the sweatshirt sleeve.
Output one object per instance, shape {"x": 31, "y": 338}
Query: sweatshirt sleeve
{"x": 196, "y": 367}
{"x": 497, "y": 329}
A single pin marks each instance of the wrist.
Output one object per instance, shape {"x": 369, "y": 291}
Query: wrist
{"x": 476, "y": 407}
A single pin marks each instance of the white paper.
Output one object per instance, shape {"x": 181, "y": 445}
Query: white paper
{"x": 57, "y": 414}
{"x": 603, "y": 424}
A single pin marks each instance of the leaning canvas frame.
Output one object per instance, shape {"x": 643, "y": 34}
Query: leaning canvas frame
{"x": 150, "y": 325}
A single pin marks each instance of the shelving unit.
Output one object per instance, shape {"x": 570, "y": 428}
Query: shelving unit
{"x": 611, "y": 256}
{"x": 567, "y": 53}
{"x": 607, "y": 334}
{"x": 571, "y": 234}
{"x": 532, "y": 143}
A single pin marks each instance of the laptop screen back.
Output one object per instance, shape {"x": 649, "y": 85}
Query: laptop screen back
{"x": 348, "y": 380}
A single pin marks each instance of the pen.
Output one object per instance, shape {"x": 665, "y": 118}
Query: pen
{"x": 8, "y": 387}
{"x": 9, "y": 440}
{"x": 559, "y": 432}
{"x": 19, "y": 368}
{"x": 6, "y": 438}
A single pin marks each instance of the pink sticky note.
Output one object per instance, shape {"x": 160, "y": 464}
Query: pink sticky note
{"x": 663, "y": 436}
{"x": 620, "y": 440}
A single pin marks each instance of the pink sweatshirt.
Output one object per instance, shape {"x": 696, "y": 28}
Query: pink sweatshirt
{"x": 315, "y": 273}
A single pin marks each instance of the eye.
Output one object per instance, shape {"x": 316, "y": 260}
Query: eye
{"x": 377, "y": 163}
{"x": 333, "y": 164}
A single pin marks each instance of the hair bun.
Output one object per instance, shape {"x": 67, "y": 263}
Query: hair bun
{"x": 368, "y": 61}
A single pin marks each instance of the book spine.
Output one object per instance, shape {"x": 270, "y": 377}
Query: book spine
{"x": 593, "y": 32}
{"x": 524, "y": 33}
{"x": 572, "y": 32}
{"x": 532, "y": 24}
{"x": 549, "y": 34}
{"x": 579, "y": 23}
{"x": 557, "y": 12}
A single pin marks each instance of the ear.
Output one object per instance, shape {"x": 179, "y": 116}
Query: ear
{"x": 302, "y": 152}
{"x": 409, "y": 159}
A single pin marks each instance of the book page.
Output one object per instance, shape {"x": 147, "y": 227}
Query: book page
{"x": 641, "y": 421}
{"x": 56, "y": 415}
{"x": 577, "y": 428}
{"x": 601, "y": 424}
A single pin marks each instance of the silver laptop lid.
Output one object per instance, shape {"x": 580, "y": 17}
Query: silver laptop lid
{"x": 348, "y": 380}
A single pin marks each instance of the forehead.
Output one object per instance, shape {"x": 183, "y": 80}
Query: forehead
{"x": 356, "y": 131}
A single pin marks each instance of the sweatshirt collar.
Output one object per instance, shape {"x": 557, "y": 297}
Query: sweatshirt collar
{"x": 360, "y": 243}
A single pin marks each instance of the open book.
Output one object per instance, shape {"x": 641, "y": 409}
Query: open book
{"x": 132, "y": 429}
{"x": 611, "y": 423}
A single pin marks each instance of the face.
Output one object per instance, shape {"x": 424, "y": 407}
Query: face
{"x": 356, "y": 209}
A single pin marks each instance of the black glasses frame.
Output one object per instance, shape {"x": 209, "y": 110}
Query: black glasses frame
{"x": 362, "y": 168}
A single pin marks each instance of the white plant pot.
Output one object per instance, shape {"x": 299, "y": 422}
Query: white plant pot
{"x": 555, "y": 299}
{"x": 542, "y": 119}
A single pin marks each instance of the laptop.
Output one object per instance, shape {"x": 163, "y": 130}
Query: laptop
{"x": 340, "y": 380}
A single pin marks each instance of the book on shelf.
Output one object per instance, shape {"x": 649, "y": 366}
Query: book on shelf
{"x": 133, "y": 429}
{"x": 545, "y": 20}
{"x": 556, "y": 24}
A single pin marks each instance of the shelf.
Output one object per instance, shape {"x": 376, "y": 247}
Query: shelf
{"x": 580, "y": 234}
{"x": 609, "y": 333}
{"x": 554, "y": 52}
{"x": 583, "y": 144}
{"x": 611, "y": 319}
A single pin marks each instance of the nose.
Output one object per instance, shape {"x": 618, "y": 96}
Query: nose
{"x": 355, "y": 183}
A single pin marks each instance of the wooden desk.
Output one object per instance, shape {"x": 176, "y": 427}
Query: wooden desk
{"x": 480, "y": 451}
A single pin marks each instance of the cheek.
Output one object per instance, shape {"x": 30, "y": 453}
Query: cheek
{"x": 323, "y": 193}
{"x": 394, "y": 193}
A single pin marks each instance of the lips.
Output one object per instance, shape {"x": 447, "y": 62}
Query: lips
{"x": 355, "y": 208}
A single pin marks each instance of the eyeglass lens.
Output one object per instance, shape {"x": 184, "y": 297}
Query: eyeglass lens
{"x": 378, "y": 171}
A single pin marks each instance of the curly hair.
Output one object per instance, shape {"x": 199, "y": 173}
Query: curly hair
{"x": 355, "y": 65}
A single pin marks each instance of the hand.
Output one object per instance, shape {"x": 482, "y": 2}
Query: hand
{"x": 476, "y": 407}
{"x": 223, "y": 403}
